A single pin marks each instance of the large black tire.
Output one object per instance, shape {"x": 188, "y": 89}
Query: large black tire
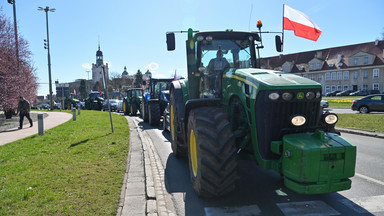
{"x": 177, "y": 142}
{"x": 211, "y": 152}
{"x": 154, "y": 114}
{"x": 145, "y": 112}
{"x": 125, "y": 108}
{"x": 133, "y": 109}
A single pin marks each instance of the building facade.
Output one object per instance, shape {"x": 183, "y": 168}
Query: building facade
{"x": 97, "y": 68}
{"x": 352, "y": 67}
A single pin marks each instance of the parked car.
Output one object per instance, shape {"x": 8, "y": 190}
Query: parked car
{"x": 369, "y": 103}
{"x": 81, "y": 105}
{"x": 344, "y": 93}
{"x": 120, "y": 107}
{"x": 332, "y": 93}
{"x": 324, "y": 104}
{"x": 44, "y": 106}
{"x": 364, "y": 92}
{"x": 113, "y": 102}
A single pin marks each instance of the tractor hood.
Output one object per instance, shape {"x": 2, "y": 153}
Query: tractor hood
{"x": 264, "y": 78}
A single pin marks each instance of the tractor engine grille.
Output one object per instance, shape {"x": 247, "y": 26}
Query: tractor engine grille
{"x": 273, "y": 117}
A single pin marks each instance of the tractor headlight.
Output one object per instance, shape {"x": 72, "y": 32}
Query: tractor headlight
{"x": 330, "y": 118}
{"x": 274, "y": 96}
{"x": 287, "y": 96}
{"x": 298, "y": 120}
{"x": 310, "y": 95}
{"x": 200, "y": 38}
{"x": 209, "y": 38}
{"x": 318, "y": 95}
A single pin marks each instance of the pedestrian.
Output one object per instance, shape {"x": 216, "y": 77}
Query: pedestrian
{"x": 24, "y": 108}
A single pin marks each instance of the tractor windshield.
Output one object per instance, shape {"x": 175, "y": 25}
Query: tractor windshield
{"x": 235, "y": 54}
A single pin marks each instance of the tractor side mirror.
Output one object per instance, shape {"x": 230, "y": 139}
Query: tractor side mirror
{"x": 278, "y": 43}
{"x": 170, "y": 41}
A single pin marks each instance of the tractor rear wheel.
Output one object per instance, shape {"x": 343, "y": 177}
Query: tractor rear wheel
{"x": 133, "y": 109}
{"x": 154, "y": 114}
{"x": 125, "y": 108}
{"x": 211, "y": 152}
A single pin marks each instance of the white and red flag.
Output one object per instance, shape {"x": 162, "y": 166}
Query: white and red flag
{"x": 300, "y": 23}
{"x": 74, "y": 92}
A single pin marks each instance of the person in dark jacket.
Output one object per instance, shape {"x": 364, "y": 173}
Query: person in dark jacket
{"x": 24, "y": 108}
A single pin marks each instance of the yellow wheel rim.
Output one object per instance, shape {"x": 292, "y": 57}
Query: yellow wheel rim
{"x": 131, "y": 109}
{"x": 172, "y": 125}
{"x": 124, "y": 107}
{"x": 193, "y": 152}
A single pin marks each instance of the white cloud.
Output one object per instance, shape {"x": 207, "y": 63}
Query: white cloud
{"x": 152, "y": 67}
{"x": 86, "y": 66}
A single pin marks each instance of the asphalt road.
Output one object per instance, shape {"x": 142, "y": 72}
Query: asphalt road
{"x": 262, "y": 192}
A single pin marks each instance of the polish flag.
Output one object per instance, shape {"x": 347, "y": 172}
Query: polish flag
{"x": 74, "y": 92}
{"x": 300, "y": 23}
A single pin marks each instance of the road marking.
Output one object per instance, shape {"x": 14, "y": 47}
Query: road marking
{"x": 370, "y": 179}
{"x": 229, "y": 211}
{"x": 318, "y": 208}
{"x": 365, "y": 205}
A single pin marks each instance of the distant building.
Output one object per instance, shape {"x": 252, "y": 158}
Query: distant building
{"x": 352, "y": 67}
{"x": 97, "y": 69}
{"x": 147, "y": 75}
{"x": 125, "y": 73}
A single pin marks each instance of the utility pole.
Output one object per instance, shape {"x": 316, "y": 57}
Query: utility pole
{"x": 12, "y": 2}
{"x": 47, "y": 46}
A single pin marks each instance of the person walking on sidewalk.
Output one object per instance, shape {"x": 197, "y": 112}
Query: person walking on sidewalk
{"x": 24, "y": 108}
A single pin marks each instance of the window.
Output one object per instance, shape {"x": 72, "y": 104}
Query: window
{"x": 345, "y": 87}
{"x": 376, "y": 73}
{"x": 355, "y": 61}
{"x": 333, "y": 75}
{"x": 339, "y": 88}
{"x": 346, "y": 75}
{"x": 320, "y": 77}
{"x": 318, "y": 65}
{"x": 339, "y": 75}
{"x": 328, "y": 76}
{"x": 365, "y": 74}
{"x": 305, "y": 76}
{"x": 312, "y": 77}
{"x": 377, "y": 98}
{"x": 333, "y": 88}
{"x": 365, "y": 87}
{"x": 355, "y": 74}
{"x": 375, "y": 86}
{"x": 366, "y": 60}
{"x": 327, "y": 89}
{"x": 311, "y": 66}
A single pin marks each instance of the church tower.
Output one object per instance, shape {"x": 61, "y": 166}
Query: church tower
{"x": 97, "y": 69}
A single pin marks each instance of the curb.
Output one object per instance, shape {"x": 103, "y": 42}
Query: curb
{"x": 375, "y": 134}
{"x": 143, "y": 191}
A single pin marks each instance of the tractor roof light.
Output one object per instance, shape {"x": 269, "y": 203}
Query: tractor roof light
{"x": 259, "y": 24}
{"x": 330, "y": 118}
{"x": 209, "y": 38}
{"x": 200, "y": 38}
{"x": 298, "y": 120}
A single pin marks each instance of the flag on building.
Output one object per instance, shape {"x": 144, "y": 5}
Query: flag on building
{"x": 300, "y": 23}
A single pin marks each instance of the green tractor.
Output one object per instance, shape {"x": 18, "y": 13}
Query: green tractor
{"x": 155, "y": 100}
{"x": 229, "y": 109}
{"x": 70, "y": 101}
{"x": 131, "y": 103}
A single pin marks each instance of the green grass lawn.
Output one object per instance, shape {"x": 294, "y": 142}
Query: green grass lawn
{"x": 372, "y": 122}
{"x": 76, "y": 168}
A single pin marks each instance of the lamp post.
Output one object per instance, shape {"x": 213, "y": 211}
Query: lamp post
{"x": 12, "y": 2}
{"x": 46, "y": 46}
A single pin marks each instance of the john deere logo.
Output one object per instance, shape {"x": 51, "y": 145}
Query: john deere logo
{"x": 300, "y": 95}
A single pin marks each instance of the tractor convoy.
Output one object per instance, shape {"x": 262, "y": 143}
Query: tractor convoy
{"x": 229, "y": 109}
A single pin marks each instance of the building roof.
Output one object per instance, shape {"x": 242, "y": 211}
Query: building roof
{"x": 330, "y": 56}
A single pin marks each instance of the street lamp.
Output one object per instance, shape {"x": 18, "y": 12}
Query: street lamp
{"x": 46, "y": 46}
{"x": 12, "y": 2}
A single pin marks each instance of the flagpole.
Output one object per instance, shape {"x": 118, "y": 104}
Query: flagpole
{"x": 282, "y": 35}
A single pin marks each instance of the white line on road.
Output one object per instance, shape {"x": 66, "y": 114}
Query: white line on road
{"x": 369, "y": 179}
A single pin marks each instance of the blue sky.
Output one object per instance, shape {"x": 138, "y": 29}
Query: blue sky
{"x": 132, "y": 33}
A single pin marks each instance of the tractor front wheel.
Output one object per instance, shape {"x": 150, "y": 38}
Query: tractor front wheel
{"x": 133, "y": 109}
{"x": 125, "y": 108}
{"x": 211, "y": 152}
